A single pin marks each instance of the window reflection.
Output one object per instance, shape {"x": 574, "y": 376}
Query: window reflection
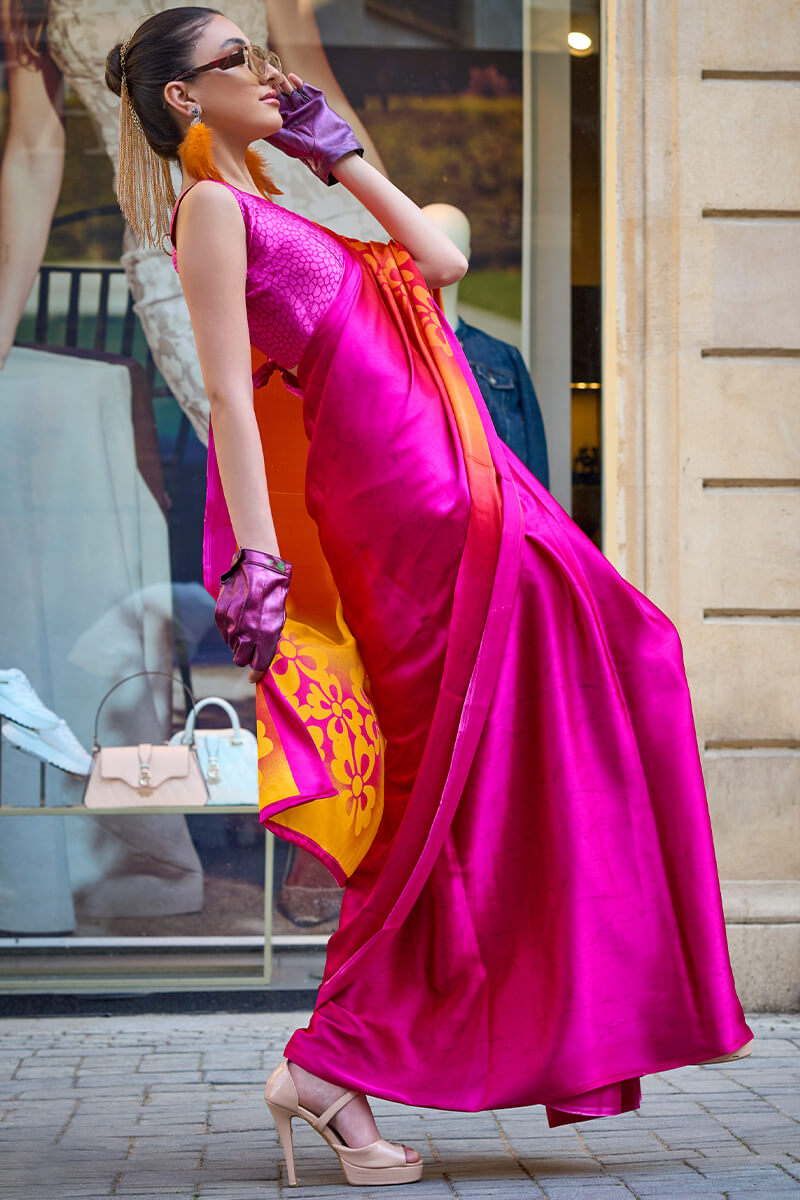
{"x": 478, "y": 109}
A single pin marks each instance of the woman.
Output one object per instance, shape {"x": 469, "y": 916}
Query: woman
{"x": 497, "y": 758}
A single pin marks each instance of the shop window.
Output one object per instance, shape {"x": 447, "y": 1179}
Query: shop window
{"x": 104, "y": 466}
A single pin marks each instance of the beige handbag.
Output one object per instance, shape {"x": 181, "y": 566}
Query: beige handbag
{"x": 144, "y": 776}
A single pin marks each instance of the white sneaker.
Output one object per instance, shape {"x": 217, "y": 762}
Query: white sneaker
{"x": 19, "y": 702}
{"x": 58, "y": 746}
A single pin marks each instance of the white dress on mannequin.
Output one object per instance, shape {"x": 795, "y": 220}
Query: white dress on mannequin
{"x": 80, "y": 531}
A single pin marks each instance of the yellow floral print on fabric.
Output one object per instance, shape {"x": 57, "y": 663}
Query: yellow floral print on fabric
{"x": 325, "y": 683}
{"x": 265, "y": 746}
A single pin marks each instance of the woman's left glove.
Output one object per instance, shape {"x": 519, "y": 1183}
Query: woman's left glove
{"x": 313, "y": 132}
{"x": 251, "y": 607}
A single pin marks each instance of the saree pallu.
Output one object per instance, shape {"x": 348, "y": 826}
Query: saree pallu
{"x": 535, "y": 914}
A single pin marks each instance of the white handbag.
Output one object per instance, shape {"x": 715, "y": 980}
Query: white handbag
{"x": 228, "y": 757}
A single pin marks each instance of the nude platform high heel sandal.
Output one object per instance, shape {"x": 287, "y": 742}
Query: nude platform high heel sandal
{"x": 379, "y": 1162}
{"x": 743, "y": 1052}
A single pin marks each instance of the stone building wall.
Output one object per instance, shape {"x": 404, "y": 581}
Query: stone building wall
{"x": 702, "y": 414}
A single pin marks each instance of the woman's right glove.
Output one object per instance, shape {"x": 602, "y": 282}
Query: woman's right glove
{"x": 251, "y": 607}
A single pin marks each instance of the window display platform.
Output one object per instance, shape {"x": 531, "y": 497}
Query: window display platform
{"x": 137, "y": 967}
{"x": 137, "y": 810}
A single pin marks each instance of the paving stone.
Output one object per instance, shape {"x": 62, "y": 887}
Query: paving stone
{"x": 140, "y": 1080}
{"x": 232, "y": 1060}
{"x": 728, "y": 1173}
{"x": 457, "y": 1125}
{"x": 232, "y": 1120}
{"x": 108, "y": 1065}
{"x": 88, "y": 1084}
{"x": 260, "y": 1192}
{"x": 160, "y": 1064}
{"x": 523, "y": 1188}
{"x": 683, "y": 1187}
{"x": 600, "y": 1191}
{"x": 647, "y": 1161}
{"x": 251, "y": 1077}
{"x": 565, "y": 1172}
{"x": 740, "y": 1193}
{"x": 765, "y": 1187}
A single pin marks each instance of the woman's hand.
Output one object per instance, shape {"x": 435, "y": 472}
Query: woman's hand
{"x": 311, "y": 130}
{"x": 251, "y": 608}
{"x": 294, "y": 35}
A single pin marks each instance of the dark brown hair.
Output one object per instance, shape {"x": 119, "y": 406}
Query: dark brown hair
{"x": 160, "y": 49}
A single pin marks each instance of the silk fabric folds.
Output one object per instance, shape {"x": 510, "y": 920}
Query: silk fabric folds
{"x": 531, "y": 912}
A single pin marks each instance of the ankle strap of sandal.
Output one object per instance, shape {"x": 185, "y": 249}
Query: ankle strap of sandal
{"x": 332, "y": 1109}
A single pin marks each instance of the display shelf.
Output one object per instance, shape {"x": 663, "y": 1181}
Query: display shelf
{"x": 124, "y": 983}
{"x": 77, "y": 810}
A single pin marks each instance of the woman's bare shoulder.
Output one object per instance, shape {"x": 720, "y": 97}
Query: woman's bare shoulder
{"x": 206, "y": 204}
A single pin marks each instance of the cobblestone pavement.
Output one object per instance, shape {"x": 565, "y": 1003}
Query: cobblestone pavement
{"x": 157, "y": 1106}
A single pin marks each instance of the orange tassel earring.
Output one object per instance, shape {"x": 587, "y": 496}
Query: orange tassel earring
{"x": 260, "y": 175}
{"x": 195, "y": 153}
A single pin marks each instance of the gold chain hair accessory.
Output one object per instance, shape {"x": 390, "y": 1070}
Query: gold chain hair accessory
{"x": 144, "y": 180}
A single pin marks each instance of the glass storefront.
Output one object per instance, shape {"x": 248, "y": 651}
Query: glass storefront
{"x": 491, "y": 112}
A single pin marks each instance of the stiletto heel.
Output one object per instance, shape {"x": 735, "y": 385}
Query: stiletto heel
{"x": 283, "y": 1121}
{"x": 378, "y": 1163}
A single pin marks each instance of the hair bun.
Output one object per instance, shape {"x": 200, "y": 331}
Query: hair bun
{"x": 114, "y": 69}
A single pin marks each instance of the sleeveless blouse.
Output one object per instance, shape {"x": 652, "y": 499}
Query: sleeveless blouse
{"x": 294, "y": 272}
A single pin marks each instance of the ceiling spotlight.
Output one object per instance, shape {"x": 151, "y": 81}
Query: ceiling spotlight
{"x": 579, "y": 43}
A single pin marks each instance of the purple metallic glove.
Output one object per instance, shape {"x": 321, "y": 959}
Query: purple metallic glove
{"x": 313, "y": 132}
{"x": 251, "y": 608}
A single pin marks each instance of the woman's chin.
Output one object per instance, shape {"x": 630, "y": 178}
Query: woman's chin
{"x": 271, "y": 121}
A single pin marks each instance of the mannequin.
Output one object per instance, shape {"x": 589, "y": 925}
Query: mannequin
{"x": 498, "y": 367}
{"x": 455, "y": 224}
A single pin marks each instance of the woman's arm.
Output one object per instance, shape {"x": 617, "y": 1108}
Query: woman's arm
{"x": 30, "y": 180}
{"x": 294, "y": 35}
{"x": 213, "y": 267}
{"x": 439, "y": 260}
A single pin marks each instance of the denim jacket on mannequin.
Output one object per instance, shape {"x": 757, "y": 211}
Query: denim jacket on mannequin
{"x": 509, "y": 396}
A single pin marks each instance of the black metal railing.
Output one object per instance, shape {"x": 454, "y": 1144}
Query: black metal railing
{"x": 129, "y": 344}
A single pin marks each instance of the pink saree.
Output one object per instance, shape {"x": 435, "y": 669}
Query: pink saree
{"x": 492, "y": 749}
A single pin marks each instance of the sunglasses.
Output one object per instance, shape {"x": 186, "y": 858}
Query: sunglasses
{"x": 253, "y": 57}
